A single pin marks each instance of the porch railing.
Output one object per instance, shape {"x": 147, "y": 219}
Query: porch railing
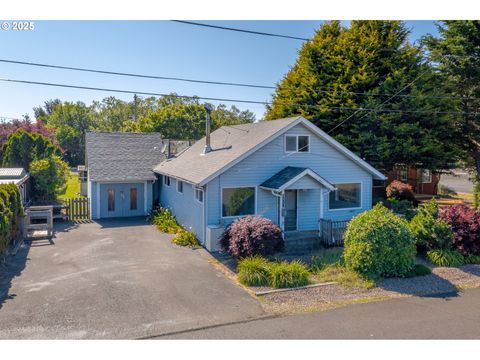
{"x": 331, "y": 232}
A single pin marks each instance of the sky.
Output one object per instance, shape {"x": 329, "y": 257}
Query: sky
{"x": 161, "y": 48}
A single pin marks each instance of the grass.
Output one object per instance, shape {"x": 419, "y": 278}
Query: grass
{"x": 448, "y": 258}
{"x": 289, "y": 274}
{"x": 254, "y": 271}
{"x": 343, "y": 276}
{"x": 72, "y": 189}
{"x": 186, "y": 238}
{"x": 326, "y": 258}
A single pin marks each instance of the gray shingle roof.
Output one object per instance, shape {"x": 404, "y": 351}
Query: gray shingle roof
{"x": 282, "y": 177}
{"x": 229, "y": 143}
{"x": 12, "y": 173}
{"x": 123, "y": 156}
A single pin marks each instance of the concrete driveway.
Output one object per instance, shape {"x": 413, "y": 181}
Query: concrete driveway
{"x": 114, "y": 279}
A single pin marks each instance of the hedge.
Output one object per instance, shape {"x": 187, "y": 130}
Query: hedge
{"x": 11, "y": 211}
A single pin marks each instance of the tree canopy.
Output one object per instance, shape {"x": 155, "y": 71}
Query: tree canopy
{"x": 343, "y": 77}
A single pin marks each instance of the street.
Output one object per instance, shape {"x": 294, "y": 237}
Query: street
{"x": 442, "y": 317}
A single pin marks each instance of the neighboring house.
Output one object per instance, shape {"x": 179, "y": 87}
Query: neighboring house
{"x": 423, "y": 181}
{"x": 287, "y": 170}
{"x": 120, "y": 178}
{"x": 19, "y": 177}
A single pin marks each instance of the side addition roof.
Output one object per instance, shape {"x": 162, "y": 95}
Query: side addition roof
{"x": 123, "y": 156}
{"x": 16, "y": 176}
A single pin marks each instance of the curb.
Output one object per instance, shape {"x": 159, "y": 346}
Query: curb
{"x": 261, "y": 293}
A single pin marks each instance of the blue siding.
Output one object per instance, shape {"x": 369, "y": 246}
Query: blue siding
{"x": 188, "y": 211}
{"x": 261, "y": 165}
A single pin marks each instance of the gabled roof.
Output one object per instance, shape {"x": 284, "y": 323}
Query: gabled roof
{"x": 123, "y": 156}
{"x": 290, "y": 175}
{"x": 232, "y": 144}
{"x": 12, "y": 173}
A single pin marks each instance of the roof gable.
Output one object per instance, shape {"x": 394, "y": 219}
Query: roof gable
{"x": 290, "y": 175}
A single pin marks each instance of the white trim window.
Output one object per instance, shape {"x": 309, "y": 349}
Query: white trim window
{"x": 238, "y": 201}
{"x": 180, "y": 186}
{"x": 403, "y": 173}
{"x": 199, "y": 195}
{"x": 166, "y": 180}
{"x": 297, "y": 143}
{"x": 346, "y": 196}
{"x": 426, "y": 176}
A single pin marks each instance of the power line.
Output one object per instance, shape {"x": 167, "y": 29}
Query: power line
{"x": 210, "y": 82}
{"x": 343, "y": 108}
{"x": 241, "y": 30}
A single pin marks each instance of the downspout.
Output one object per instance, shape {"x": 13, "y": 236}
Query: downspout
{"x": 279, "y": 208}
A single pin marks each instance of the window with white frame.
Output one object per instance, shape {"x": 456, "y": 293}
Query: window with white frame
{"x": 180, "y": 186}
{"x": 297, "y": 143}
{"x": 238, "y": 201}
{"x": 166, "y": 180}
{"x": 346, "y": 196}
{"x": 199, "y": 195}
{"x": 426, "y": 176}
{"x": 403, "y": 173}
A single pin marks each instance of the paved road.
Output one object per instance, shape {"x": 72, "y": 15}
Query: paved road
{"x": 458, "y": 182}
{"x": 114, "y": 279}
{"x": 409, "y": 318}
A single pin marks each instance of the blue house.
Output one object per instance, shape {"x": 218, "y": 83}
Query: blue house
{"x": 286, "y": 170}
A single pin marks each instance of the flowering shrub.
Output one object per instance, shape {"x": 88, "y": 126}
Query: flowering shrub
{"x": 252, "y": 235}
{"x": 465, "y": 223}
{"x": 165, "y": 220}
{"x": 186, "y": 238}
{"x": 400, "y": 191}
{"x": 379, "y": 244}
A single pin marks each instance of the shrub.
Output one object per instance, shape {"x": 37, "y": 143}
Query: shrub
{"x": 11, "y": 211}
{"x": 378, "y": 243}
{"x": 465, "y": 223}
{"x": 289, "y": 274}
{"x": 476, "y": 195}
{"x": 450, "y": 258}
{"x": 186, "y": 238}
{"x": 165, "y": 220}
{"x": 472, "y": 259}
{"x": 327, "y": 258}
{"x": 343, "y": 276}
{"x": 402, "y": 207}
{"x": 252, "y": 235}
{"x": 254, "y": 271}
{"x": 428, "y": 231}
{"x": 400, "y": 191}
{"x": 50, "y": 176}
{"x": 419, "y": 270}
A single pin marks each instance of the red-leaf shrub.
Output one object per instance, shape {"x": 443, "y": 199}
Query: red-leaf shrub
{"x": 252, "y": 235}
{"x": 400, "y": 191}
{"x": 465, "y": 223}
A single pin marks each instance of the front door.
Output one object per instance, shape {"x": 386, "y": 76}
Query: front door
{"x": 290, "y": 210}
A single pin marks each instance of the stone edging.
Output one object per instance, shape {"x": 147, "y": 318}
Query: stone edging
{"x": 261, "y": 293}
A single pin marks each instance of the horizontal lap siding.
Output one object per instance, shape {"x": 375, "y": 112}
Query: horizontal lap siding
{"x": 261, "y": 165}
{"x": 188, "y": 211}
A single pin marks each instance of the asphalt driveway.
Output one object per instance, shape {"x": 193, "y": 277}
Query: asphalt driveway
{"x": 114, "y": 279}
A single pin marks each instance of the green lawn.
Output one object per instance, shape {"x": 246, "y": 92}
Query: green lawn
{"x": 72, "y": 189}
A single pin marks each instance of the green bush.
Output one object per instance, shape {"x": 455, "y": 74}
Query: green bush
{"x": 11, "y": 211}
{"x": 402, "y": 207}
{"x": 419, "y": 270}
{"x": 289, "y": 274}
{"x": 327, "y": 258}
{"x": 379, "y": 244}
{"x": 165, "y": 220}
{"x": 428, "y": 231}
{"x": 472, "y": 259}
{"x": 476, "y": 195}
{"x": 449, "y": 258}
{"x": 50, "y": 177}
{"x": 254, "y": 271}
{"x": 186, "y": 238}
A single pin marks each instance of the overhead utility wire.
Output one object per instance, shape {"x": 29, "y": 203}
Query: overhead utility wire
{"x": 241, "y": 30}
{"x": 213, "y": 82}
{"x": 219, "y": 99}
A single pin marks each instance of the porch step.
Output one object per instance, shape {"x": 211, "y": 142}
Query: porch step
{"x": 302, "y": 242}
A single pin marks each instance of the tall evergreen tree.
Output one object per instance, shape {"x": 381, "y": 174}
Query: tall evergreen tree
{"x": 361, "y": 67}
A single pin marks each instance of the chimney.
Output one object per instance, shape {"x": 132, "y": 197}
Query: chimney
{"x": 208, "y": 109}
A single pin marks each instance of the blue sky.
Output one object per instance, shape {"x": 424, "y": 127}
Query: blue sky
{"x": 151, "y": 47}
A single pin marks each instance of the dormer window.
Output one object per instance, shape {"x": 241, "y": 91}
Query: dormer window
{"x": 297, "y": 143}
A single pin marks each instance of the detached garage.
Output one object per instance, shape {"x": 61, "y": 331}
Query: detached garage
{"x": 119, "y": 173}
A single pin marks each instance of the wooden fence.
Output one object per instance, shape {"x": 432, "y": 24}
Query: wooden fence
{"x": 331, "y": 232}
{"x": 78, "y": 209}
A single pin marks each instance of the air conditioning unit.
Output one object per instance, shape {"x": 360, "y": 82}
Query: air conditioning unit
{"x": 213, "y": 235}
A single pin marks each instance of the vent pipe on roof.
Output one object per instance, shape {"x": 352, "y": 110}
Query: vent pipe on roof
{"x": 208, "y": 108}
